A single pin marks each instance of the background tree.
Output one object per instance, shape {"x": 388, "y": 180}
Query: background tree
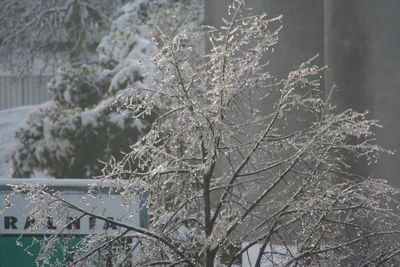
{"x": 38, "y": 33}
{"x": 81, "y": 125}
{"x": 78, "y": 129}
{"x": 223, "y": 176}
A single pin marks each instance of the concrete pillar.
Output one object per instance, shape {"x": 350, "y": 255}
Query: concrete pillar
{"x": 362, "y": 41}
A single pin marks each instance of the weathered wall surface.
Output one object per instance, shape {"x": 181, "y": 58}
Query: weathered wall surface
{"x": 359, "y": 41}
{"x": 362, "y": 41}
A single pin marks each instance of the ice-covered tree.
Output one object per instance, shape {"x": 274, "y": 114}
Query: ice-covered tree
{"x": 223, "y": 175}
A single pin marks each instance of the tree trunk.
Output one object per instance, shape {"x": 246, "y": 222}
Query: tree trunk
{"x": 209, "y": 253}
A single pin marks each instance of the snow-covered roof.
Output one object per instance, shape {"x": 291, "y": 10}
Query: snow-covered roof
{"x": 48, "y": 182}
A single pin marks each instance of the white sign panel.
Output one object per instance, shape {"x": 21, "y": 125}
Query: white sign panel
{"x": 19, "y": 218}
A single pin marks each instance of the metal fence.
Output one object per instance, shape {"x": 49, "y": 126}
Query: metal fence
{"x": 27, "y": 90}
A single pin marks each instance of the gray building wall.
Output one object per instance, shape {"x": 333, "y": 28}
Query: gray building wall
{"x": 359, "y": 41}
{"x": 362, "y": 41}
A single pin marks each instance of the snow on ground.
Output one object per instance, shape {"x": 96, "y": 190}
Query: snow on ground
{"x": 10, "y": 121}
